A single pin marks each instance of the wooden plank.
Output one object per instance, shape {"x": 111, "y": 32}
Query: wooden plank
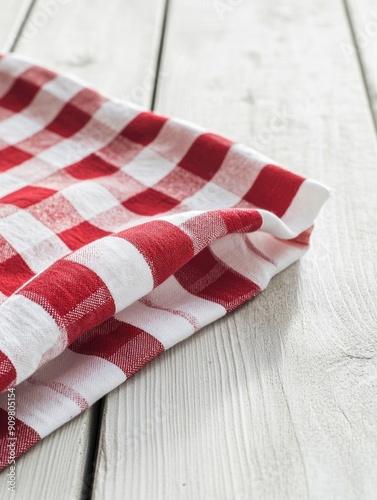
{"x": 113, "y": 48}
{"x": 12, "y": 15}
{"x": 57, "y": 467}
{"x": 277, "y": 401}
{"x": 116, "y": 50}
{"x": 363, "y": 18}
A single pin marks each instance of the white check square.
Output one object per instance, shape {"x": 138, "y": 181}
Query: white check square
{"x": 148, "y": 167}
{"x": 89, "y": 198}
{"x": 36, "y": 244}
{"x": 10, "y": 184}
{"x": 208, "y": 198}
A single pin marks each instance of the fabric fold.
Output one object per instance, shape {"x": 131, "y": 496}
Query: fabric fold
{"x": 122, "y": 232}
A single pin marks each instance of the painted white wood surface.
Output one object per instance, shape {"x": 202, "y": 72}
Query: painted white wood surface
{"x": 363, "y": 16}
{"x": 112, "y": 46}
{"x": 114, "y": 49}
{"x": 12, "y": 15}
{"x": 277, "y": 401}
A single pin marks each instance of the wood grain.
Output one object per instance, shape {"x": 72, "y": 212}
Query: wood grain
{"x": 11, "y": 18}
{"x": 114, "y": 49}
{"x": 276, "y": 401}
{"x": 363, "y": 19}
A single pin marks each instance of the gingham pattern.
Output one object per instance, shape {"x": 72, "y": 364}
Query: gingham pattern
{"x": 121, "y": 233}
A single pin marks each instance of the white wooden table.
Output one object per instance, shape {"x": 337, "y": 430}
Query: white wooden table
{"x": 278, "y": 400}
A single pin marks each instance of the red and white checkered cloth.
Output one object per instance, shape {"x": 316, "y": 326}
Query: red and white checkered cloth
{"x": 122, "y": 232}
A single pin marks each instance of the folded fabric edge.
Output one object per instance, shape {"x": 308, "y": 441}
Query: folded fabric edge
{"x": 296, "y": 220}
{"x": 118, "y": 270}
{"x": 299, "y": 215}
{"x": 31, "y": 61}
{"x": 64, "y": 375}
